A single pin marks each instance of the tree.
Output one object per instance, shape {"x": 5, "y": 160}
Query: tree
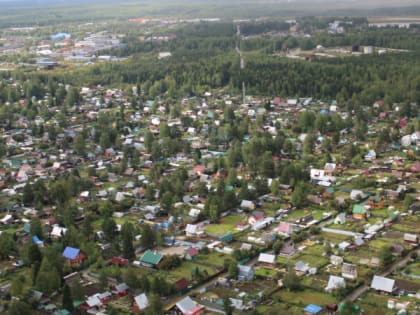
{"x": 77, "y": 291}
{"x": 155, "y": 305}
{"x": 385, "y": 255}
{"x": 6, "y": 245}
{"x": 131, "y": 279}
{"x": 298, "y": 197}
{"x": 48, "y": 279}
{"x": 147, "y": 237}
{"x": 34, "y": 254}
{"x": 167, "y": 202}
{"x": 67, "y": 298}
{"x": 233, "y": 270}
{"x": 227, "y": 306}
{"x": 80, "y": 145}
{"x": 87, "y": 228}
{"x": 127, "y": 237}
{"x": 103, "y": 280}
{"x": 109, "y": 227}
{"x": 17, "y": 286}
{"x": 19, "y": 307}
{"x": 291, "y": 281}
{"x": 278, "y": 244}
{"x": 37, "y": 228}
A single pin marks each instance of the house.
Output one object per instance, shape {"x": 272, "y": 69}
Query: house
{"x": 336, "y": 260}
{"x": 199, "y": 169}
{"x": 73, "y": 255}
{"x": 255, "y": 217}
{"x": 285, "y": 228}
{"x": 411, "y": 238}
{"x": 141, "y": 302}
{"x": 267, "y": 259}
{"x": 391, "y": 194}
{"x": 287, "y": 250}
{"x": 194, "y": 213}
{"x": 181, "y": 284}
{"x": 92, "y": 301}
{"x": 237, "y": 304}
{"x": 343, "y": 245}
{"x": 383, "y": 284}
{"x": 247, "y": 205}
{"x": 312, "y": 309}
{"x": 301, "y": 267}
{"x": 119, "y": 261}
{"x": 105, "y": 297}
{"x": 246, "y": 273}
{"x": 359, "y": 212}
{"x": 58, "y": 231}
{"x": 415, "y": 168}
{"x": 7, "y": 219}
{"x": 330, "y": 168}
{"x": 262, "y": 224}
{"x": 321, "y": 177}
{"x": 151, "y": 258}
{"x": 226, "y": 238}
{"x": 356, "y": 194}
{"x": 191, "y": 253}
{"x": 335, "y": 283}
{"x": 370, "y": 156}
{"x": 349, "y": 271}
{"x": 340, "y": 218}
{"x": 194, "y": 230}
{"x": 121, "y": 289}
{"x": 188, "y": 307}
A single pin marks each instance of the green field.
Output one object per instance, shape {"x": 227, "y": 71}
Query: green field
{"x": 226, "y": 225}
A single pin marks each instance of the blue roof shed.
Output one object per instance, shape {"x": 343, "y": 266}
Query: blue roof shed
{"x": 312, "y": 309}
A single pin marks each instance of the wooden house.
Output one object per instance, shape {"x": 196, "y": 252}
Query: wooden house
{"x": 74, "y": 256}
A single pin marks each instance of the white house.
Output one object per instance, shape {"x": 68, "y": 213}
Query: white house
{"x": 267, "y": 259}
{"x": 335, "y": 283}
{"x": 383, "y": 284}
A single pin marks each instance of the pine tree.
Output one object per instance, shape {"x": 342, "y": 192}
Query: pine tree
{"x": 67, "y": 299}
{"x": 127, "y": 236}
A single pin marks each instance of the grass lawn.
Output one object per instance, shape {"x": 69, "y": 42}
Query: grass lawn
{"x": 226, "y": 225}
{"x": 335, "y": 238}
{"x": 313, "y": 261}
{"x": 213, "y": 258}
{"x": 413, "y": 269}
{"x": 184, "y": 271}
{"x": 305, "y": 297}
{"x": 316, "y": 250}
{"x": 265, "y": 273}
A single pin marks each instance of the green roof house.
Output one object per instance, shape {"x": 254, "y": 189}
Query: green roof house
{"x": 359, "y": 212}
{"x": 151, "y": 258}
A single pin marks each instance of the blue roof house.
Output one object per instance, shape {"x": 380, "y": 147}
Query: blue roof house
{"x": 73, "y": 255}
{"x": 312, "y": 309}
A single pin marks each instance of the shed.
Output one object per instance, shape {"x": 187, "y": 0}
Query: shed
{"x": 312, "y": 309}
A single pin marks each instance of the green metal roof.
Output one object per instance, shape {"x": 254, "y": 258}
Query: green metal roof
{"x": 359, "y": 209}
{"x": 151, "y": 258}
